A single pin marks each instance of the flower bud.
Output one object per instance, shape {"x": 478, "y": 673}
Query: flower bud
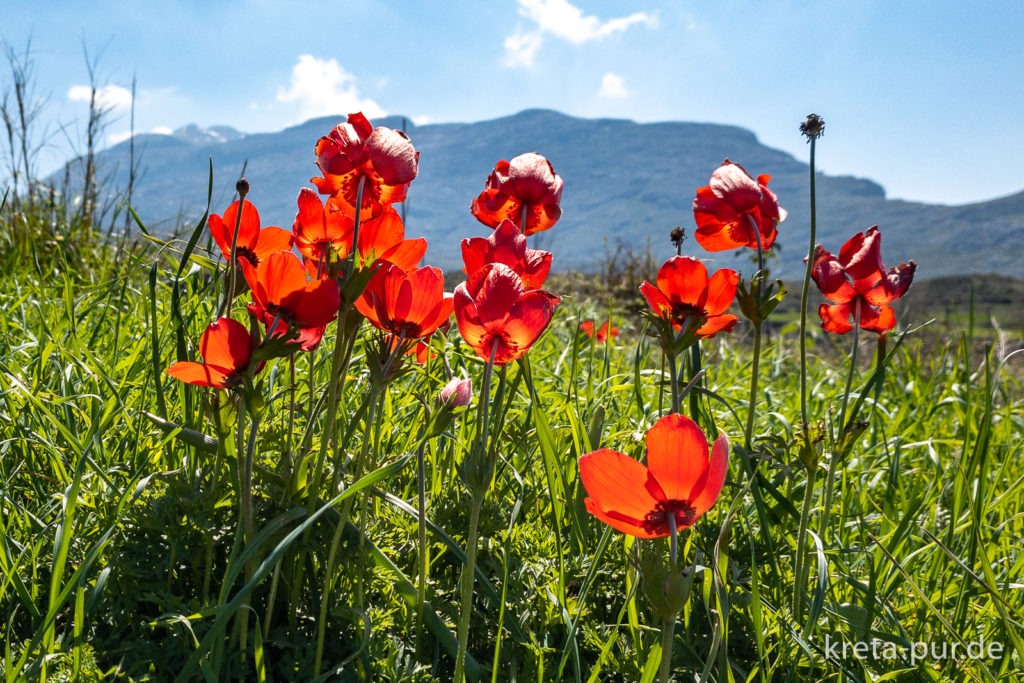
{"x": 457, "y": 393}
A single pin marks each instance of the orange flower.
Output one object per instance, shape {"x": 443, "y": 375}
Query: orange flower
{"x": 526, "y": 184}
{"x": 355, "y": 149}
{"x": 495, "y": 312}
{"x": 323, "y": 235}
{"x": 286, "y": 301}
{"x": 409, "y": 305}
{"x": 679, "y": 482}
{"x": 858, "y": 279}
{"x": 603, "y": 332}
{"x": 226, "y": 349}
{"x": 725, "y": 208}
{"x": 507, "y": 245}
{"x": 252, "y": 244}
{"x": 685, "y": 296}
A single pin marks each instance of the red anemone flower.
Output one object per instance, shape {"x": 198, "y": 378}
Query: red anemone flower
{"x": 527, "y": 184}
{"x": 603, "y": 332}
{"x": 858, "y": 280}
{"x": 507, "y": 245}
{"x": 725, "y": 208}
{"x": 409, "y": 305}
{"x": 226, "y": 349}
{"x": 323, "y": 234}
{"x": 284, "y": 299}
{"x": 253, "y": 244}
{"x": 496, "y": 314}
{"x": 685, "y": 295}
{"x": 354, "y": 150}
{"x": 680, "y": 480}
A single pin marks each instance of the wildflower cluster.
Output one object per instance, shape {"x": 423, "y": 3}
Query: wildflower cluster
{"x": 346, "y": 261}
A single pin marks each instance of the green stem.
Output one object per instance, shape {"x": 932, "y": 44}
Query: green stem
{"x": 423, "y": 558}
{"x": 749, "y": 433}
{"x": 332, "y": 555}
{"x": 673, "y": 374}
{"x": 668, "y": 627}
{"x": 245, "y": 502}
{"x": 799, "y": 562}
{"x": 757, "y": 285}
{"x": 468, "y": 580}
{"x": 804, "y": 411}
{"x": 477, "y": 492}
{"x": 838, "y": 443}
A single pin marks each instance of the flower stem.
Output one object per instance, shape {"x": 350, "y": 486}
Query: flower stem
{"x": 468, "y": 580}
{"x": 838, "y": 444}
{"x": 673, "y": 374}
{"x": 477, "y": 491}
{"x": 332, "y": 555}
{"x": 804, "y": 411}
{"x": 668, "y": 627}
{"x": 800, "y": 561}
{"x": 757, "y": 283}
{"x": 423, "y": 559}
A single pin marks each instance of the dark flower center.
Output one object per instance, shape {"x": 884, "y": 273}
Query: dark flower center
{"x": 681, "y": 313}
{"x": 657, "y": 521}
{"x": 247, "y": 254}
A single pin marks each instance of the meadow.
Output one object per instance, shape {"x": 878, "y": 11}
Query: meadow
{"x": 314, "y": 513}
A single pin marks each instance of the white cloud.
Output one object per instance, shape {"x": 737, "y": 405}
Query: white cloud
{"x": 322, "y": 87}
{"x": 520, "y": 48}
{"x": 107, "y": 97}
{"x": 613, "y": 87}
{"x": 563, "y": 20}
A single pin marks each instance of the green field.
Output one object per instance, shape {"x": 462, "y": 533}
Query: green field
{"x": 140, "y": 542}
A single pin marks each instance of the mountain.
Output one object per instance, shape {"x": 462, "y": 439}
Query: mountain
{"x": 627, "y": 185}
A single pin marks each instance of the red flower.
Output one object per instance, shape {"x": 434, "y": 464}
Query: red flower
{"x": 494, "y": 311}
{"x": 409, "y": 305}
{"x": 858, "y": 279}
{"x": 252, "y": 244}
{"x": 679, "y": 480}
{"x": 603, "y": 332}
{"x": 285, "y": 300}
{"x": 355, "y": 149}
{"x": 382, "y": 238}
{"x": 685, "y": 295}
{"x": 507, "y": 245}
{"x": 725, "y": 208}
{"x": 527, "y": 183}
{"x": 323, "y": 234}
{"x": 226, "y": 349}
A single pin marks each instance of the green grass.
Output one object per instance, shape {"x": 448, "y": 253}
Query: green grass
{"x": 118, "y": 557}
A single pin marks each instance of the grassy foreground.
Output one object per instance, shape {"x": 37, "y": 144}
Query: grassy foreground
{"x": 119, "y": 558}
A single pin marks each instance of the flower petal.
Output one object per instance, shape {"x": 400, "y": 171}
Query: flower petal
{"x": 617, "y": 483}
{"x": 199, "y": 374}
{"x": 226, "y": 344}
{"x": 677, "y": 456}
{"x": 717, "y": 469}
{"x": 684, "y": 280}
{"x": 836, "y": 319}
{"x": 721, "y": 291}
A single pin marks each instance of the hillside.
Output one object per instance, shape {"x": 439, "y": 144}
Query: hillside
{"x": 625, "y": 184}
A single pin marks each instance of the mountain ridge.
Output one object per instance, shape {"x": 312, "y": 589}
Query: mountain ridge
{"x": 626, "y": 184}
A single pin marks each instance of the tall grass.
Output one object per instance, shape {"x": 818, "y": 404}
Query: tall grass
{"x": 117, "y": 558}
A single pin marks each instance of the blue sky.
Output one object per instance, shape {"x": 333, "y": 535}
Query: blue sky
{"x": 923, "y": 96}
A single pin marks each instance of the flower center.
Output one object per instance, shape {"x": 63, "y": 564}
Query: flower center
{"x": 689, "y": 316}
{"x": 247, "y": 254}
{"x": 657, "y": 521}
